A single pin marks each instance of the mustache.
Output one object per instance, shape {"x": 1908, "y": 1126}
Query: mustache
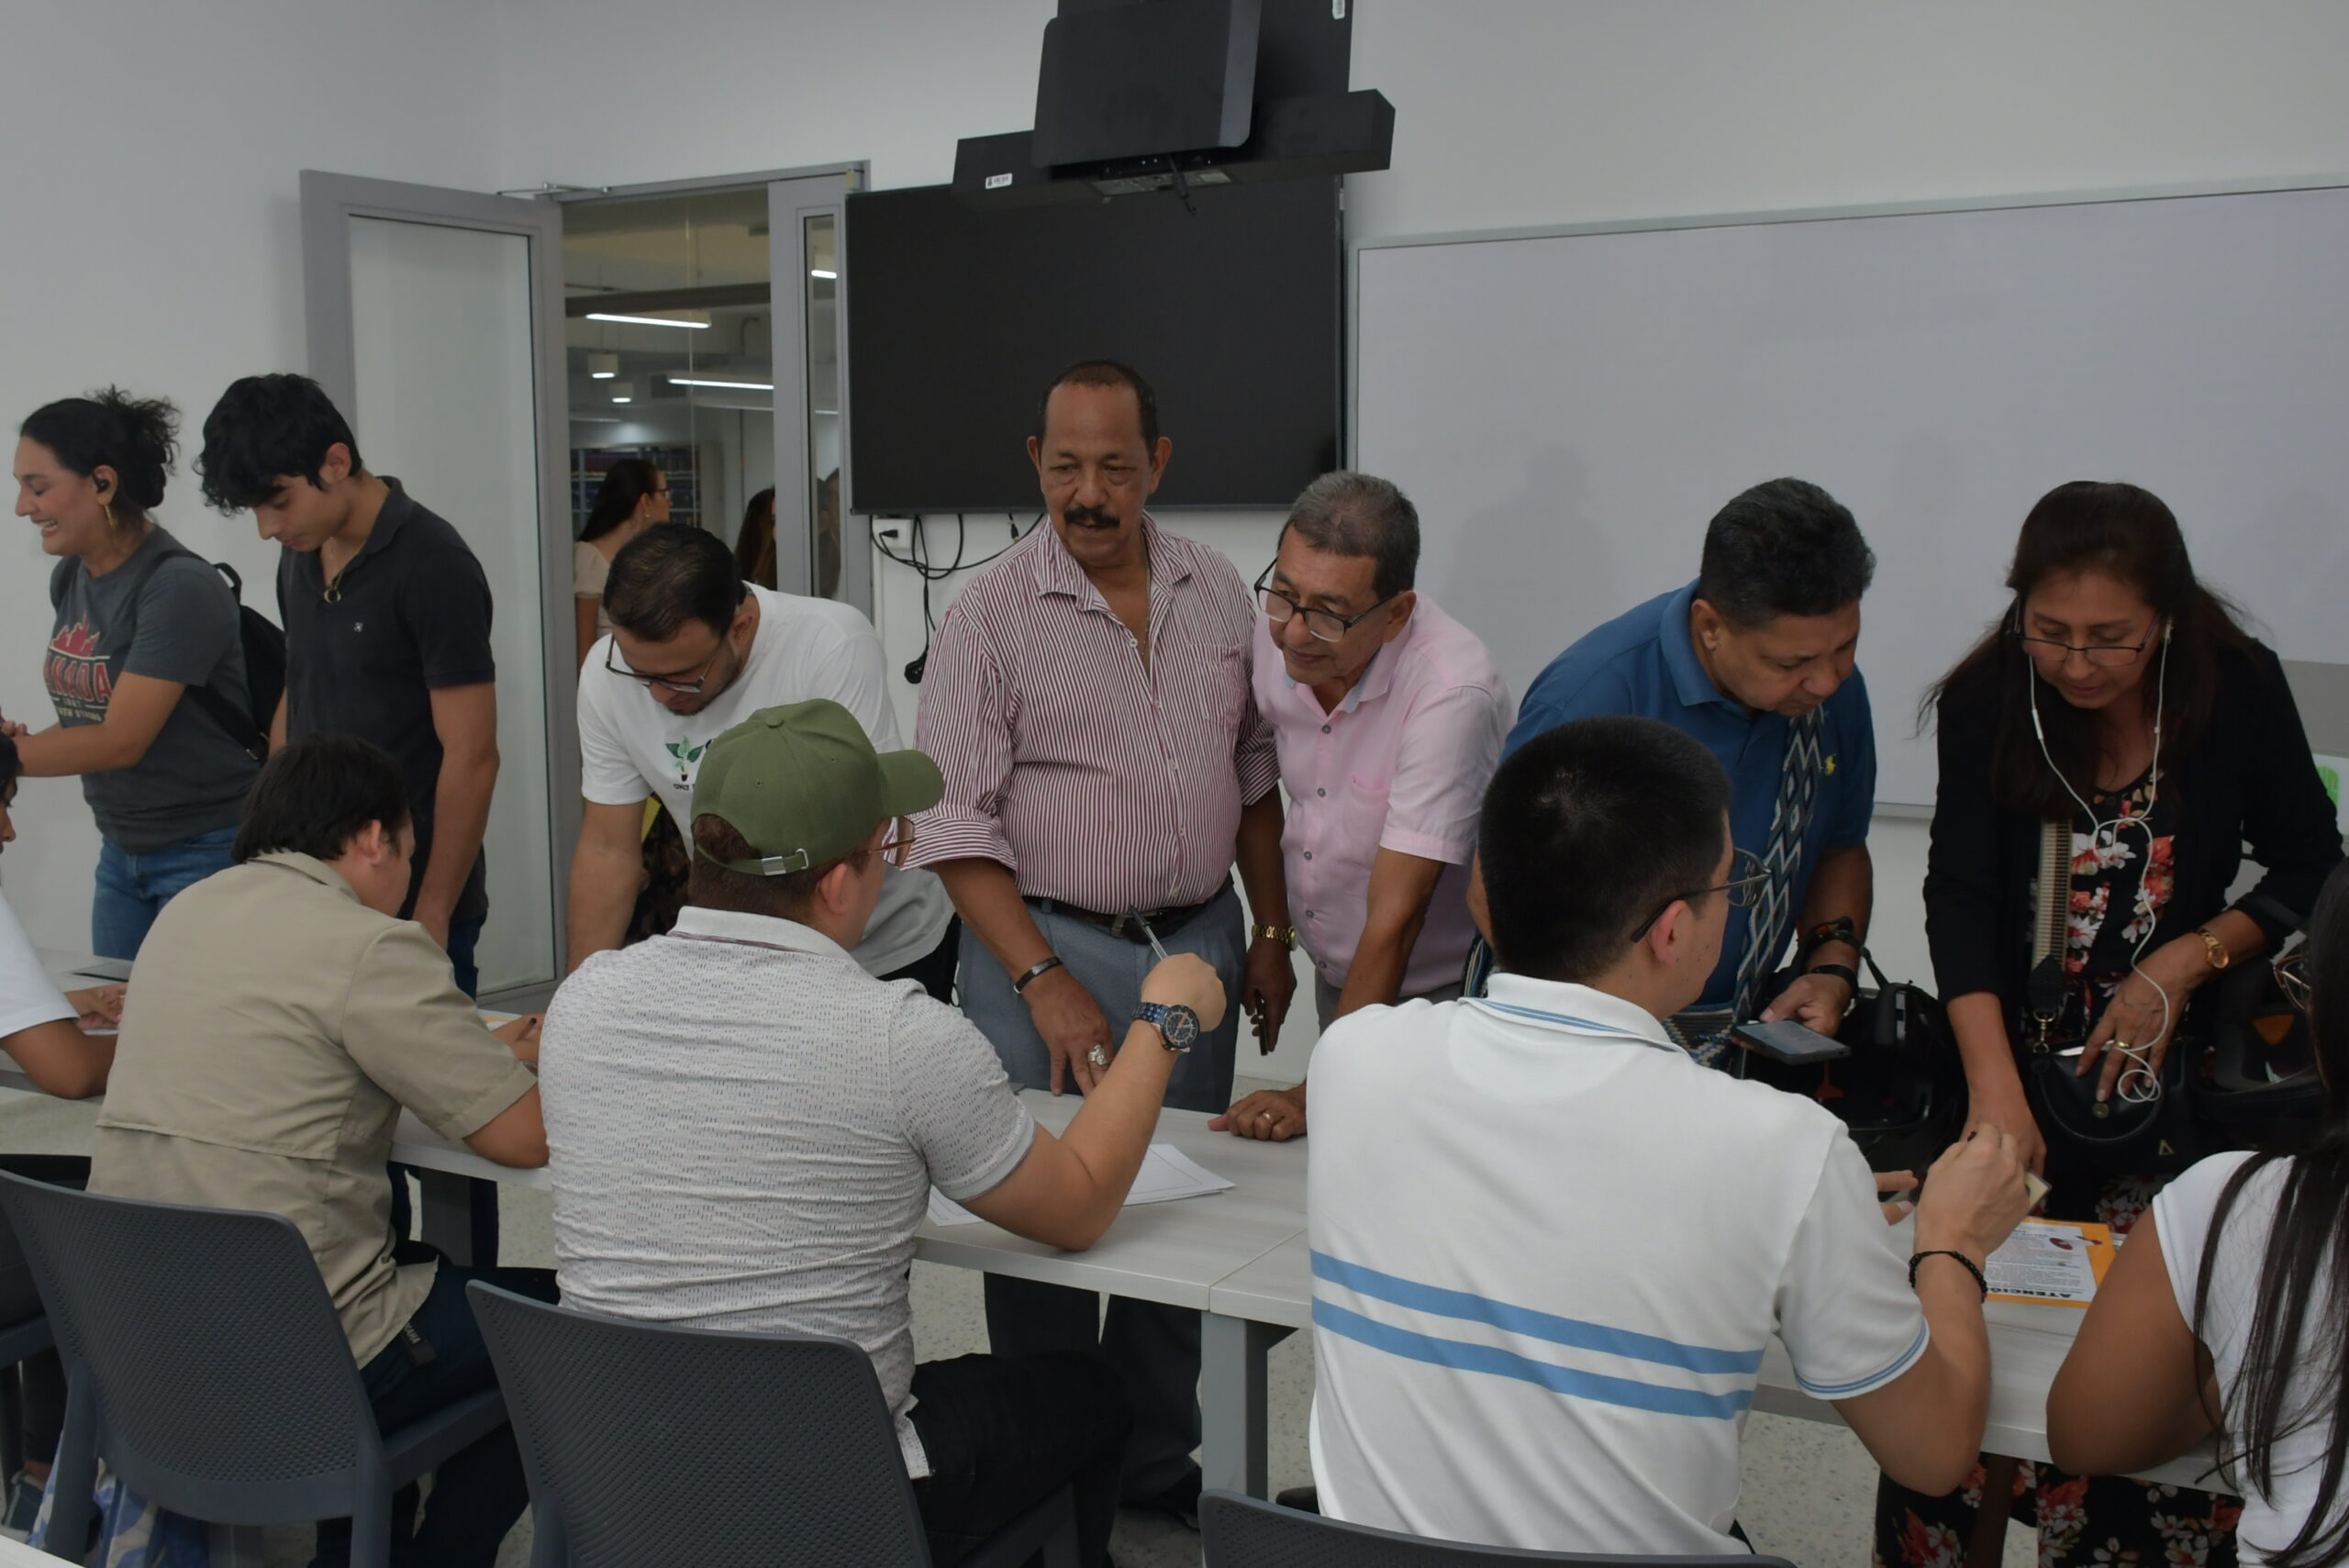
{"x": 1089, "y": 518}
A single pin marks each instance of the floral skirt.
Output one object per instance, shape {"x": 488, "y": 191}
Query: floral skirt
{"x": 2105, "y": 1521}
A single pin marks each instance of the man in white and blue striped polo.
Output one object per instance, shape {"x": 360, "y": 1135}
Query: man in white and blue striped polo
{"x": 1549, "y": 1247}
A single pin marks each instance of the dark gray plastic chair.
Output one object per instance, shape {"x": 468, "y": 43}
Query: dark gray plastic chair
{"x": 1247, "y": 1532}
{"x": 204, "y": 1361}
{"x": 24, "y": 1334}
{"x": 654, "y": 1445}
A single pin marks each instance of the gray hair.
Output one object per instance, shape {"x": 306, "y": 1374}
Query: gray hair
{"x": 1347, "y": 513}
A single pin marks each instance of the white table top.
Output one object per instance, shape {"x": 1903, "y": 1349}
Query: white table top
{"x": 1243, "y": 1253}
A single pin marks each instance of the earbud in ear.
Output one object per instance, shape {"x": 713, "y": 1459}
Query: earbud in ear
{"x": 105, "y": 485}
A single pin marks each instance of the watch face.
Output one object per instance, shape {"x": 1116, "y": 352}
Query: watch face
{"x": 1181, "y": 1027}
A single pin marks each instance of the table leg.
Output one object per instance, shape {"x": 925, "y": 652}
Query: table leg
{"x": 1231, "y": 1368}
{"x": 1989, "y": 1543}
{"x": 448, "y": 1213}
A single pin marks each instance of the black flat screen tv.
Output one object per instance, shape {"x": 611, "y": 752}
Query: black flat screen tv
{"x": 957, "y": 318}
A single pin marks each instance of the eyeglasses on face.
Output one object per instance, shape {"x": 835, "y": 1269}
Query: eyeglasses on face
{"x": 1327, "y": 625}
{"x": 678, "y": 684}
{"x": 2292, "y": 977}
{"x": 1746, "y": 879}
{"x": 2103, "y": 655}
{"x": 898, "y": 845}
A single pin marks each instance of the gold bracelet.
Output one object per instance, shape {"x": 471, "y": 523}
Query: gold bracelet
{"x": 2213, "y": 948}
{"x": 1285, "y": 935}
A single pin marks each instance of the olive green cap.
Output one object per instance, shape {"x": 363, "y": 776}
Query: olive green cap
{"x": 803, "y": 786}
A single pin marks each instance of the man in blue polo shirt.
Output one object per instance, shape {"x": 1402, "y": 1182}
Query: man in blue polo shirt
{"x": 1754, "y": 659}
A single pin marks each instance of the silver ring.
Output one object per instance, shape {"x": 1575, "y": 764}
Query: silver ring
{"x": 1098, "y": 1057}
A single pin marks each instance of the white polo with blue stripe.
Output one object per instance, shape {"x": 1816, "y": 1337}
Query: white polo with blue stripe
{"x": 1548, "y": 1252}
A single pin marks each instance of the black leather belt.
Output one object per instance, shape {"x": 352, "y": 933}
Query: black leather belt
{"x": 1165, "y": 922}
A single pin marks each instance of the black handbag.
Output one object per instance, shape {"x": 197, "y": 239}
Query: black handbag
{"x": 1901, "y": 1093}
{"x": 2087, "y": 1137}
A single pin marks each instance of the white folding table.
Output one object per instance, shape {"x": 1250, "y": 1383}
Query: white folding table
{"x": 1240, "y": 1257}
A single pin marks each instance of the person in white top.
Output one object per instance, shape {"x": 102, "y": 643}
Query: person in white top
{"x": 2225, "y": 1314}
{"x": 633, "y": 496}
{"x": 41, "y": 1027}
{"x": 1549, "y": 1249}
{"x": 693, "y": 651}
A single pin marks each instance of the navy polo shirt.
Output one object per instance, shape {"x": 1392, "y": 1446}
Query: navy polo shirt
{"x": 409, "y": 616}
{"x": 1642, "y": 662}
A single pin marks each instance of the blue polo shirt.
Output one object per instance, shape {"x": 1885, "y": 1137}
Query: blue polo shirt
{"x": 1642, "y": 662}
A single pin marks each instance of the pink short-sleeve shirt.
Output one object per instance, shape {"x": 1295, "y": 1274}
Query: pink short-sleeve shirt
{"x": 1401, "y": 763}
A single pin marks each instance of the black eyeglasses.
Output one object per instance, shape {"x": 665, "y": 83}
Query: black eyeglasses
{"x": 692, "y": 688}
{"x": 1327, "y": 625}
{"x": 1746, "y": 877}
{"x": 898, "y": 845}
{"x": 2292, "y": 977}
{"x": 2103, "y": 655}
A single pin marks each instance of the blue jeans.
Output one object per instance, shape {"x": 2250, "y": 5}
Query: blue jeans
{"x": 478, "y": 1494}
{"x": 133, "y": 888}
{"x": 1153, "y": 1348}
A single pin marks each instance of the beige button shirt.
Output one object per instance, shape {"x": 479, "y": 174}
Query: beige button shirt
{"x": 277, "y": 1027}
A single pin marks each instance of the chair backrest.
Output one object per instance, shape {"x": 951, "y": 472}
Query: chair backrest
{"x": 656, "y": 1445}
{"x": 1246, "y": 1532}
{"x": 224, "y": 1384}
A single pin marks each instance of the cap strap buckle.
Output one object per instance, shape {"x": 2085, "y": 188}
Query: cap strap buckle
{"x": 784, "y": 865}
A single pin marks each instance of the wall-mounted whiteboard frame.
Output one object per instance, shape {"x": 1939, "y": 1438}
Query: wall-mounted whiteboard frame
{"x": 1362, "y": 295}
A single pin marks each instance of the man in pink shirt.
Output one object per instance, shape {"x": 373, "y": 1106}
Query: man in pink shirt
{"x": 1389, "y": 716}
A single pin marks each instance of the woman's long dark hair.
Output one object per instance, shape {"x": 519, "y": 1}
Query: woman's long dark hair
{"x": 754, "y": 543}
{"x": 2127, "y": 534}
{"x": 627, "y": 482}
{"x": 2305, "y": 1267}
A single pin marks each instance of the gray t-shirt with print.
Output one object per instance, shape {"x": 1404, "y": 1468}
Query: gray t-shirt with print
{"x": 165, "y": 613}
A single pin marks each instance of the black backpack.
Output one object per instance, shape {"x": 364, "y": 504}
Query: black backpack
{"x": 264, "y": 648}
{"x": 265, "y": 643}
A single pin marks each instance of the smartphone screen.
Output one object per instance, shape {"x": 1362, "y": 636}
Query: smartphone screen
{"x": 1788, "y": 1042}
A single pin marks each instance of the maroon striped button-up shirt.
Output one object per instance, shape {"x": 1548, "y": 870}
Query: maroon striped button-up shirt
{"x": 1096, "y": 780}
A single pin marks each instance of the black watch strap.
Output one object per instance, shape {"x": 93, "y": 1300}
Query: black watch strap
{"x": 1051, "y": 962}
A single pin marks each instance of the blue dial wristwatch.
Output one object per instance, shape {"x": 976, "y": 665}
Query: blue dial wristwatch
{"x": 1177, "y": 1026}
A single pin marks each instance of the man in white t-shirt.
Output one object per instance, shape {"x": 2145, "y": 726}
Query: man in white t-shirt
{"x": 693, "y": 651}
{"x": 1549, "y": 1249}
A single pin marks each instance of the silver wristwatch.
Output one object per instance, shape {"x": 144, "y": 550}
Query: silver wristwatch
{"x": 1177, "y": 1026}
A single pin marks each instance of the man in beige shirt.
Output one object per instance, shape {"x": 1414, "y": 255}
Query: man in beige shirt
{"x": 283, "y": 1016}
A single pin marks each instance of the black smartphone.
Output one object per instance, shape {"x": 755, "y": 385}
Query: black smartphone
{"x": 1798, "y": 1045}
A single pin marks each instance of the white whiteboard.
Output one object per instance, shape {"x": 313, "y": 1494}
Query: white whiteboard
{"x": 1569, "y": 410}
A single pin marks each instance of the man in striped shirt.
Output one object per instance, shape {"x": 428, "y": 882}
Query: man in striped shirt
{"x": 1088, "y": 700}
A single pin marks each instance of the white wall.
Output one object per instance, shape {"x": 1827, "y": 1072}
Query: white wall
{"x": 162, "y": 246}
{"x": 149, "y": 181}
{"x": 1524, "y": 113}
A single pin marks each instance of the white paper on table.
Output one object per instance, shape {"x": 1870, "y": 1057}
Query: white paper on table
{"x": 2047, "y": 1262}
{"x": 1166, "y": 1173}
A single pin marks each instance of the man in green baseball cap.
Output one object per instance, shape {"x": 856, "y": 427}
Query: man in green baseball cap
{"x": 804, "y": 790}
{"x": 745, "y": 1126}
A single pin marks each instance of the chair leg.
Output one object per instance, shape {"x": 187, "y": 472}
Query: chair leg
{"x": 12, "y": 1420}
{"x": 1060, "y": 1550}
{"x": 548, "y": 1547}
{"x": 75, "y": 1474}
{"x": 235, "y": 1546}
{"x": 371, "y": 1527}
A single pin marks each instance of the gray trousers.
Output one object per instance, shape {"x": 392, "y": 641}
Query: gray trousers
{"x": 1155, "y": 1349}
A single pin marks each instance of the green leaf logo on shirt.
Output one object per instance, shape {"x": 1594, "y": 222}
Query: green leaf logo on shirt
{"x": 687, "y": 756}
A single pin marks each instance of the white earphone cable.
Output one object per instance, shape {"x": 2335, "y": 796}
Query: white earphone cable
{"x": 2138, "y": 1083}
